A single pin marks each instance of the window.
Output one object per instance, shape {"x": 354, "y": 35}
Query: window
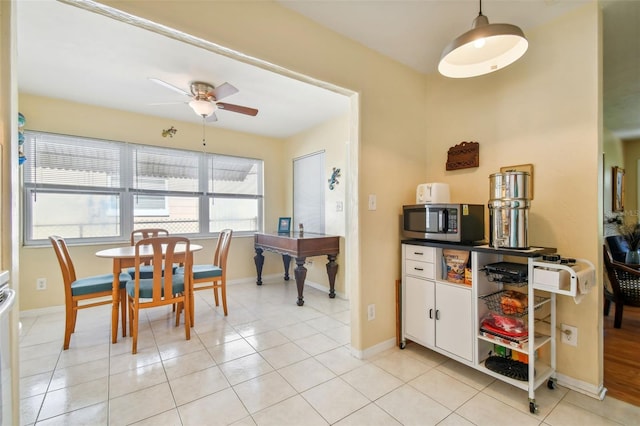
{"x": 96, "y": 191}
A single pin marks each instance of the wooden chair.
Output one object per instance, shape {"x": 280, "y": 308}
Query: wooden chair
{"x": 624, "y": 286}
{"x": 214, "y": 275}
{"x": 81, "y": 289}
{"x": 138, "y": 234}
{"x": 160, "y": 290}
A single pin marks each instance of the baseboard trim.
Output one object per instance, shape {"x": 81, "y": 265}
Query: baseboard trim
{"x": 373, "y": 350}
{"x": 594, "y": 391}
{"x": 41, "y": 311}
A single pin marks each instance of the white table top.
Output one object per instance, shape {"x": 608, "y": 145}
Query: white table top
{"x": 130, "y": 251}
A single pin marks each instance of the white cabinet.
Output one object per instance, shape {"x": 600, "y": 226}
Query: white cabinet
{"x": 435, "y": 314}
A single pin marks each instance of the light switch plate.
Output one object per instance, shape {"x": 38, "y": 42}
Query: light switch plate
{"x": 373, "y": 202}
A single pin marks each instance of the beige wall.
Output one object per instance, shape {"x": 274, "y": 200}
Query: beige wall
{"x": 57, "y": 116}
{"x": 331, "y": 137}
{"x": 544, "y": 110}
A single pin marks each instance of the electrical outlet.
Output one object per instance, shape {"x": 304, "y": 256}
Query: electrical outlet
{"x": 41, "y": 284}
{"x": 371, "y": 312}
{"x": 373, "y": 202}
{"x": 569, "y": 334}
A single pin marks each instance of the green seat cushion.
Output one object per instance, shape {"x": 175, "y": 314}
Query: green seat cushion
{"x": 146, "y": 286}
{"x": 146, "y": 271}
{"x": 203, "y": 271}
{"x": 97, "y": 284}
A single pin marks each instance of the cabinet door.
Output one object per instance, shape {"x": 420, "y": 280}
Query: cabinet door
{"x": 418, "y": 300}
{"x": 454, "y": 324}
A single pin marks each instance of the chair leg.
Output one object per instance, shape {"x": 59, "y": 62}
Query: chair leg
{"x": 192, "y": 309}
{"x": 123, "y": 307}
{"x": 68, "y": 327}
{"x": 187, "y": 315}
{"x": 223, "y": 287}
{"x": 215, "y": 293}
{"x": 134, "y": 329}
{"x": 617, "y": 322}
{"x": 607, "y": 307}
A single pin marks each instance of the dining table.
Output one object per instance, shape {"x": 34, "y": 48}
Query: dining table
{"x": 125, "y": 257}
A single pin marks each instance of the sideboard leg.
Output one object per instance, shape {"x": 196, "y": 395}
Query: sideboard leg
{"x": 301, "y": 274}
{"x": 259, "y": 260}
{"x": 332, "y": 270}
{"x": 286, "y": 260}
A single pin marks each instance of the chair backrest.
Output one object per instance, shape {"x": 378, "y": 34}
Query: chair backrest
{"x": 222, "y": 248}
{"x": 164, "y": 250}
{"x": 66, "y": 264}
{"x": 624, "y": 280}
{"x": 618, "y": 247}
{"x": 142, "y": 233}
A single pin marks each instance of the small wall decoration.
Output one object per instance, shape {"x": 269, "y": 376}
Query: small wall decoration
{"x": 169, "y": 132}
{"x": 521, "y": 168}
{"x": 463, "y": 156}
{"x": 618, "y": 189}
{"x": 333, "y": 181}
{"x": 284, "y": 225}
{"x": 21, "y": 122}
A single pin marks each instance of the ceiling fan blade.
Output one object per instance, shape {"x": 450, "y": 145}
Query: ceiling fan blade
{"x": 224, "y": 90}
{"x": 237, "y": 108}
{"x": 170, "y": 86}
{"x": 211, "y": 118}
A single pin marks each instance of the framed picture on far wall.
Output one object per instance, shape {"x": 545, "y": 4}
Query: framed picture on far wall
{"x": 617, "y": 181}
{"x": 284, "y": 225}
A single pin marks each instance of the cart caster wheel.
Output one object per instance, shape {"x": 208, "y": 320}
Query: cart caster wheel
{"x": 532, "y": 408}
{"x": 403, "y": 345}
{"x": 551, "y": 384}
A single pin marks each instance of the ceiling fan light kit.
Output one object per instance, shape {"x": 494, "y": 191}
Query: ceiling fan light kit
{"x": 483, "y": 49}
{"x": 202, "y": 107}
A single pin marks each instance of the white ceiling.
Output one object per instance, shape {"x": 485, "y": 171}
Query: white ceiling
{"x": 70, "y": 53}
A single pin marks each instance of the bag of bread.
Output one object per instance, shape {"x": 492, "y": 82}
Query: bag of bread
{"x": 513, "y": 302}
{"x": 455, "y": 262}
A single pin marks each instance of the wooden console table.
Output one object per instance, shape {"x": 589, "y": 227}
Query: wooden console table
{"x": 299, "y": 246}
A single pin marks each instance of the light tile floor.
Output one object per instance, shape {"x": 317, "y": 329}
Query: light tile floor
{"x": 269, "y": 362}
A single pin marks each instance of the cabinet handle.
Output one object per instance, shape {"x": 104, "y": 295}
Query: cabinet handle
{"x": 418, "y": 269}
{"x": 418, "y": 253}
{"x": 430, "y": 313}
{"x": 437, "y": 314}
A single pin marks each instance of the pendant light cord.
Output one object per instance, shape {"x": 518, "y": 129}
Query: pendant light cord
{"x": 480, "y": 13}
{"x": 204, "y": 143}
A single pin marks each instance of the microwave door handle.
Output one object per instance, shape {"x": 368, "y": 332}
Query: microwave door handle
{"x": 443, "y": 220}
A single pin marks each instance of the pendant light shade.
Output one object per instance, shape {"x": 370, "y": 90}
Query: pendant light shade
{"x": 483, "y": 49}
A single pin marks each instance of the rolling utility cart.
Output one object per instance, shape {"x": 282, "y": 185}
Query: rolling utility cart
{"x": 496, "y": 323}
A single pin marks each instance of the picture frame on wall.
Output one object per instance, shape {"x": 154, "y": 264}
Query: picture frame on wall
{"x": 284, "y": 225}
{"x": 617, "y": 184}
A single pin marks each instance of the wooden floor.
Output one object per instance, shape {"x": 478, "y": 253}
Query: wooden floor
{"x": 622, "y": 356}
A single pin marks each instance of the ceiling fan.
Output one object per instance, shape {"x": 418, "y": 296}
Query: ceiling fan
{"x": 205, "y": 98}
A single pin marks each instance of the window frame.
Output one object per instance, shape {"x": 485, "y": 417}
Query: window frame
{"x": 127, "y": 190}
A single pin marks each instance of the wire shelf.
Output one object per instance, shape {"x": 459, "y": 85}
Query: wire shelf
{"x": 498, "y": 302}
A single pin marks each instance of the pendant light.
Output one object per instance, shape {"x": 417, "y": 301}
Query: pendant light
{"x": 483, "y": 49}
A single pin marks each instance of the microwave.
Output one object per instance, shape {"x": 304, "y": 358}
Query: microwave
{"x": 444, "y": 222}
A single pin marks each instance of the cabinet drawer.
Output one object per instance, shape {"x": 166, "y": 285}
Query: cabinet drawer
{"x": 420, "y": 269}
{"x": 422, "y": 254}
